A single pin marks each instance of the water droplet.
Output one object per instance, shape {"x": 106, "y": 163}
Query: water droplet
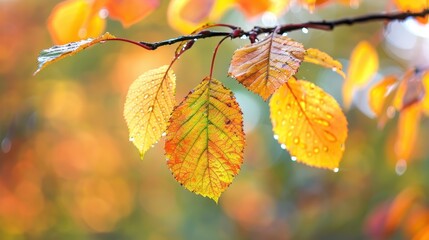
{"x": 401, "y": 167}
{"x": 336, "y": 170}
{"x": 289, "y": 134}
{"x": 276, "y": 137}
{"x": 334, "y": 69}
{"x": 302, "y": 104}
{"x": 304, "y": 30}
{"x": 312, "y": 86}
{"x": 243, "y": 37}
{"x": 150, "y": 109}
{"x": 296, "y": 140}
{"x": 284, "y": 34}
{"x": 283, "y": 146}
{"x": 145, "y": 96}
{"x": 293, "y": 158}
{"x": 390, "y": 112}
{"x": 284, "y": 122}
{"x": 279, "y": 112}
{"x": 308, "y": 134}
{"x": 316, "y": 150}
{"x": 322, "y": 122}
{"x": 6, "y": 145}
{"x": 329, "y": 136}
{"x": 164, "y": 134}
{"x": 103, "y": 13}
{"x": 82, "y": 33}
{"x": 131, "y": 139}
{"x": 153, "y": 145}
{"x": 309, "y": 154}
{"x": 329, "y": 116}
{"x": 325, "y": 149}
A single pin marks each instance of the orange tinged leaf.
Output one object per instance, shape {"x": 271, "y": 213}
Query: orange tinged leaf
{"x": 413, "y": 6}
{"x": 186, "y": 15}
{"x": 309, "y": 123}
{"x": 73, "y": 20}
{"x": 423, "y": 234}
{"x": 425, "y": 101}
{"x": 378, "y": 94}
{"x": 400, "y": 208}
{"x": 253, "y": 8}
{"x": 318, "y": 57}
{"x": 58, "y": 52}
{"x": 408, "y": 127}
{"x": 148, "y": 106}
{"x": 264, "y": 66}
{"x": 363, "y": 65}
{"x": 205, "y": 139}
{"x": 130, "y": 12}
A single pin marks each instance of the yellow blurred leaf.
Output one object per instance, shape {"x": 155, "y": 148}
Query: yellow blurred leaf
{"x": 186, "y": 15}
{"x": 58, "y": 52}
{"x": 130, "y": 12}
{"x": 363, "y": 65}
{"x": 408, "y": 128}
{"x": 73, "y": 20}
{"x": 148, "y": 106}
{"x": 205, "y": 139}
{"x": 381, "y": 97}
{"x": 309, "y": 123}
{"x": 318, "y": 57}
{"x": 264, "y": 66}
{"x": 413, "y": 6}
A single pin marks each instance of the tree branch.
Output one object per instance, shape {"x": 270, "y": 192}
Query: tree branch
{"x": 237, "y": 32}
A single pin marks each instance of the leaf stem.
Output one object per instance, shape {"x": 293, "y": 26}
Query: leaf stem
{"x": 214, "y": 56}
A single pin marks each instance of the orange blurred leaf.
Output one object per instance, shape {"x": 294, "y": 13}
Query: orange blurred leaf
{"x": 130, "y": 12}
{"x": 186, "y": 15}
{"x": 253, "y": 8}
{"x": 205, "y": 139}
{"x": 413, "y": 6}
{"x": 363, "y": 65}
{"x": 264, "y": 66}
{"x": 148, "y": 106}
{"x": 381, "y": 97}
{"x": 309, "y": 123}
{"x": 425, "y": 101}
{"x": 58, "y": 52}
{"x": 73, "y": 20}
{"x": 318, "y": 57}
{"x": 423, "y": 234}
{"x": 408, "y": 127}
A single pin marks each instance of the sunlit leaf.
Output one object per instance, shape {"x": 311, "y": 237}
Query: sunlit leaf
{"x": 205, "y": 139}
{"x": 363, "y": 65}
{"x": 148, "y": 106}
{"x": 73, "y": 20}
{"x": 318, "y": 57}
{"x": 58, "y": 52}
{"x": 186, "y": 15}
{"x": 413, "y": 6}
{"x": 131, "y": 11}
{"x": 264, "y": 66}
{"x": 408, "y": 128}
{"x": 423, "y": 234}
{"x": 309, "y": 123}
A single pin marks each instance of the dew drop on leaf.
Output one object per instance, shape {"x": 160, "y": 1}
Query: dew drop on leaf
{"x": 293, "y": 158}
{"x": 131, "y": 139}
{"x": 283, "y": 146}
{"x": 276, "y": 137}
{"x": 336, "y": 170}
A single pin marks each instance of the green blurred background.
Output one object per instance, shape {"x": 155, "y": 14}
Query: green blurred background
{"x": 68, "y": 171}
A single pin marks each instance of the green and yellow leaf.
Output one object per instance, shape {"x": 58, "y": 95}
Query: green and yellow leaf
{"x": 205, "y": 139}
{"x": 264, "y": 66}
{"x": 148, "y": 106}
{"x": 58, "y": 52}
{"x": 309, "y": 123}
{"x": 318, "y": 57}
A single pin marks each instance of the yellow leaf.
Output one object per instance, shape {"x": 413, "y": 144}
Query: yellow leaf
{"x": 413, "y": 6}
{"x": 381, "y": 97}
{"x": 264, "y": 66}
{"x": 363, "y": 65}
{"x": 148, "y": 106}
{"x": 309, "y": 123}
{"x": 186, "y": 15}
{"x": 131, "y": 11}
{"x": 58, "y": 52}
{"x": 318, "y": 57}
{"x": 73, "y": 20}
{"x": 205, "y": 139}
{"x": 408, "y": 128}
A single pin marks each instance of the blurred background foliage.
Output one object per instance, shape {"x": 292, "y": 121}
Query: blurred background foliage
{"x": 67, "y": 170}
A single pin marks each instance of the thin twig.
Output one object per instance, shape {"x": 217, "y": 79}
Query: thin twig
{"x": 320, "y": 25}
